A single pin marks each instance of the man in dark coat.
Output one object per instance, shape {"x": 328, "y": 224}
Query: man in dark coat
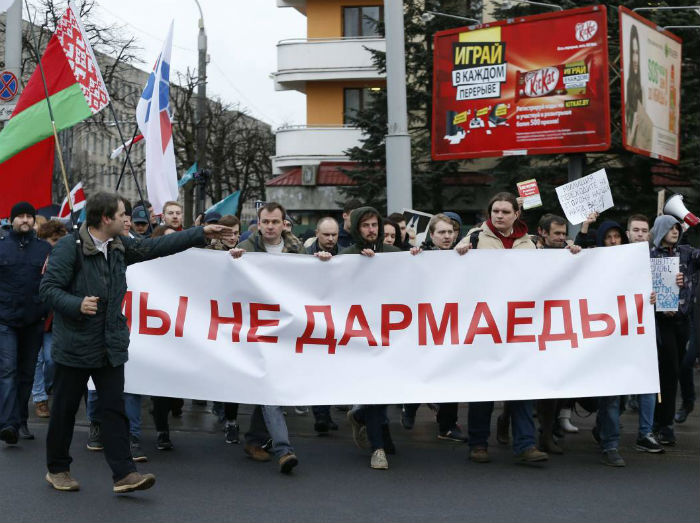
{"x": 22, "y": 315}
{"x": 85, "y": 284}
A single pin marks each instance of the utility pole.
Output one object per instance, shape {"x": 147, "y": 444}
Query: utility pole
{"x": 399, "y": 193}
{"x": 13, "y": 38}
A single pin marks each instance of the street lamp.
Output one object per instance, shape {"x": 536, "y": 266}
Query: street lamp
{"x": 508, "y": 4}
{"x": 429, "y": 15}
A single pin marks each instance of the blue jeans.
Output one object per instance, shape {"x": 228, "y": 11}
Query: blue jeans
{"x": 43, "y": 374}
{"x": 18, "y": 350}
{"x": 268, "y": 421}
{"x": 608, "y": 421}
{"x": 647, "y": 404}
{"x": 479, "y": 424}
{"x": 132, "y": 407}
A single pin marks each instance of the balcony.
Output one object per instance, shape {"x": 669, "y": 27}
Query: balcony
{"x": 305, "y": 145}
{"x": 323, "y": 59}
{"x": 299, "y": 5}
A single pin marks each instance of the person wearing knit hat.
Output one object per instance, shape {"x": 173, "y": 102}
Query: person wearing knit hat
{"x": 22, "y": 208}
{"x": 22, "y": 316}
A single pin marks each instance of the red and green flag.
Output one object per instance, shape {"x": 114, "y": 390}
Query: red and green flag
{"x": 75, "y": 87}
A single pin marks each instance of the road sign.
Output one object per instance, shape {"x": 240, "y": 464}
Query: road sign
{"x": 9, "y": 88}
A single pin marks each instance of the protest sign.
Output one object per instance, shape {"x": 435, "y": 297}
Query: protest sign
{"x": 530, "y": 193}
{"x": 581, "y": 197}
{"x": 294, "y": 330}
{"x": 416, "y": 225}
{"x": 663, "y": 274}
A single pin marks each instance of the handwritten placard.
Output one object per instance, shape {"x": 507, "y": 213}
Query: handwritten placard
{"x": 580, "y": 198}
{"x": 663, "y": 276}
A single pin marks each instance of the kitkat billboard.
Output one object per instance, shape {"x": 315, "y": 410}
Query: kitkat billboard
{"x": 529, "y": 85}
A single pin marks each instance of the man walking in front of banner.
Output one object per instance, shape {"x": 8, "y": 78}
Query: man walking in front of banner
{"x": 85, "y": 284}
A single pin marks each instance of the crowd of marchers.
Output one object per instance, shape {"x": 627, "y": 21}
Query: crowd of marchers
{"x": 61, "y": 323}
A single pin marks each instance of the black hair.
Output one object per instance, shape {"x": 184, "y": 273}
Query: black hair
{"x": 101, "y": 204}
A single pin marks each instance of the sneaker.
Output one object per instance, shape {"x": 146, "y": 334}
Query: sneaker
{"x": 94, "y": 441}
{"x": 359, "y": 431}
{"x": 163, "y": 441}
{"x": 531, "y": 455}
{"x": 24, "y": 432}
{"x": 503, "y": 429}
{"x": 256, "y": 452}
{"x": 41, "y": 409}
{"x": 454, "y": 434}
{"x": 378, "y": 460}
{"x": 407, "y": 421}
{"x": 62, "y": 481}
{"x": 479, "y": 455}
{"x": 648, "y": 444}
{"x": 666, "y": 437}
{"x": 612, "y": 458}
{"x": 301, "y": 411}
{"x": 9, "y": 435}
{"x": 683, "y": 412}
{"x": 565, "y": 422}
{"x": 231, "y": 432}
{"x": 136, "y": 452}
{"x": 134, "y": 481}
{"x": 288, "y": 462}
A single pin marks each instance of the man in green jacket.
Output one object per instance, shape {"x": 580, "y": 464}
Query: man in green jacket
{"x": 85, "y": 284}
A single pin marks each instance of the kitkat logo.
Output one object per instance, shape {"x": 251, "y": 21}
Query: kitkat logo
{"x": 586, "y": 30}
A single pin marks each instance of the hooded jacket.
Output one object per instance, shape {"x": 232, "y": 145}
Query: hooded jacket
{"x": 689, "y": 259}
{"x": 603, "y": 230}
{"x": 360, "y": 244}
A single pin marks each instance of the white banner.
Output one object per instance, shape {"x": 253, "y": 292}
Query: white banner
{"x": 395, "y": 328}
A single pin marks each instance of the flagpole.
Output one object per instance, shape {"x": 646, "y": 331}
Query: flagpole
{"x": 35, "y": 48}
{"x": 128, "y": 158}
{"x": 128, "y": 150}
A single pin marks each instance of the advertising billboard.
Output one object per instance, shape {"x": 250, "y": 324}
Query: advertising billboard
{"x": 527, "y": 85}
{"x": 651, "y": 87}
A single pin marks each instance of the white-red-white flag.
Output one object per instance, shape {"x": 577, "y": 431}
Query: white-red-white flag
{"x": 77, "y": 196}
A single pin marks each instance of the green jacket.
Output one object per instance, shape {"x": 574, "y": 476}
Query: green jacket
{"x": 80, "y": 340}
{"x": 254, "y": 243}
{"x": 360, "y": 243}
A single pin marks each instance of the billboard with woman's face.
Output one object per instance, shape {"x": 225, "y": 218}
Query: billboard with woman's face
{"x": 651, "y": 87}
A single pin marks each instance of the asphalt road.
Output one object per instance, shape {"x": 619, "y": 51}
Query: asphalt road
{"x": 203, "y": 479}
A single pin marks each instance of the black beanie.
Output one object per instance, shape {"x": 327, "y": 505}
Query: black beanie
{"x": 22, "y": 208}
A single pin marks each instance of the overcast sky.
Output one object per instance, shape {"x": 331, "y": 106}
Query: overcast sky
{"x": 242, "y": 38}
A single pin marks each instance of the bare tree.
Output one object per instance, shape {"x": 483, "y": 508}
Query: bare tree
{"x": 238, "y": 146}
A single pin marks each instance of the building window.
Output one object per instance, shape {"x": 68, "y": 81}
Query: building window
{"x": 362, "y": 20}
{"x": 354, "y": 100}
